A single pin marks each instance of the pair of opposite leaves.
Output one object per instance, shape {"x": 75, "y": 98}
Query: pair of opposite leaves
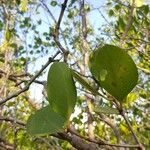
{"x": 111, "y": 66}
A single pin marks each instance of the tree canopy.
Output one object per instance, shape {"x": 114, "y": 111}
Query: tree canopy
{"x": 74, "y": 74}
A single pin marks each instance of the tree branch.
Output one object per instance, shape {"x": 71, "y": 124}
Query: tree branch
{"x": 56, "y": 32}
{"x": 50, "y": 60}
{"x": 76, "y": 141}
{"x": 102, "y": 142}
{"x": 122, "y": 113}
{"x": 111, "y": 123}
{"x": 129, "y": 23}
{"x": 130, "y": 127}
{"x": 53, "y": 18}
{"x": 9, "y": 119}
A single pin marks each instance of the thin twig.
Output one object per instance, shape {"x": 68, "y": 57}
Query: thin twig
{"x": 61, "y": 16}
{"x": 141, "y": 147}
{"x": 48, "y": 10}
{"x": 50, "y": 60}
{"x": 56, "y": 33}
{"x": 129, "y": 23}
{"x": 112, "y": 124}
{"x": 53, "y": 18}
{"x": 122, "y": 112}
{"x": 9, "y": 119}
{"x": 130, "y": 127}
{"x": 15, "y": 126}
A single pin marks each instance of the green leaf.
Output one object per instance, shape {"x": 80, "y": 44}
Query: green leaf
{"x": 24, "y": 5}
{"x": 8, "y": 35}
{"x": 111, "y": 13}
{"x": 53, "y": 3}
{"x": 18, "y": 2}
{"x": 118, "y": 69}
{"x": 121, "y": 24}
{"x": 84, "y": 83}
{"x": 145, "y": 9}
{"x": 117, "y": 7}
{"x": 45, "y": 121}
{"x": 106, "y": 110}
{"x": 71, "y": 14}
{"x": 61, "y": 89}
{"x": 1, "y": 25}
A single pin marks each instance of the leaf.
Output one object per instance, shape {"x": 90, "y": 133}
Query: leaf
{"x": 121, "y": 75}
{"x": 111, "y": 13}
{"x": 18, "y": 2}
{"x": 8, "y": 35}
{"x": 61, "y": 89}
{"x": 106, "y": 110}
{"x": 1, "y": 25}
{"x": 131, "y": 98}
{"x": 121, "y": 24}
{"x": 45, "y": 121}
{"x": 84, "y": 83}
{"x": 117, "y": 7}
{"x": 144, "y": 9}
{"x": 24, "y": 5}
{"x": 53, "y": 3}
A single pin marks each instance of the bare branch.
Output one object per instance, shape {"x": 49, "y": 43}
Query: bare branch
{"x": 129, "y": 23}
{"x": 83, "y": 19}
{"x": 9, "y": 119}
{"x": 53, "y": 18}
{"x": 76, "y": 141}
{"x": 56, "y": 33}
{"x": 130, "y": 127}
{"x": 102, "y": 142}
{"x": 112, "y": 124}
{"x": 141, "y": 147}
{"x": 50, "y": 60}
{"x": 64, "y": 5}
{"x": 122, "y": 112}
